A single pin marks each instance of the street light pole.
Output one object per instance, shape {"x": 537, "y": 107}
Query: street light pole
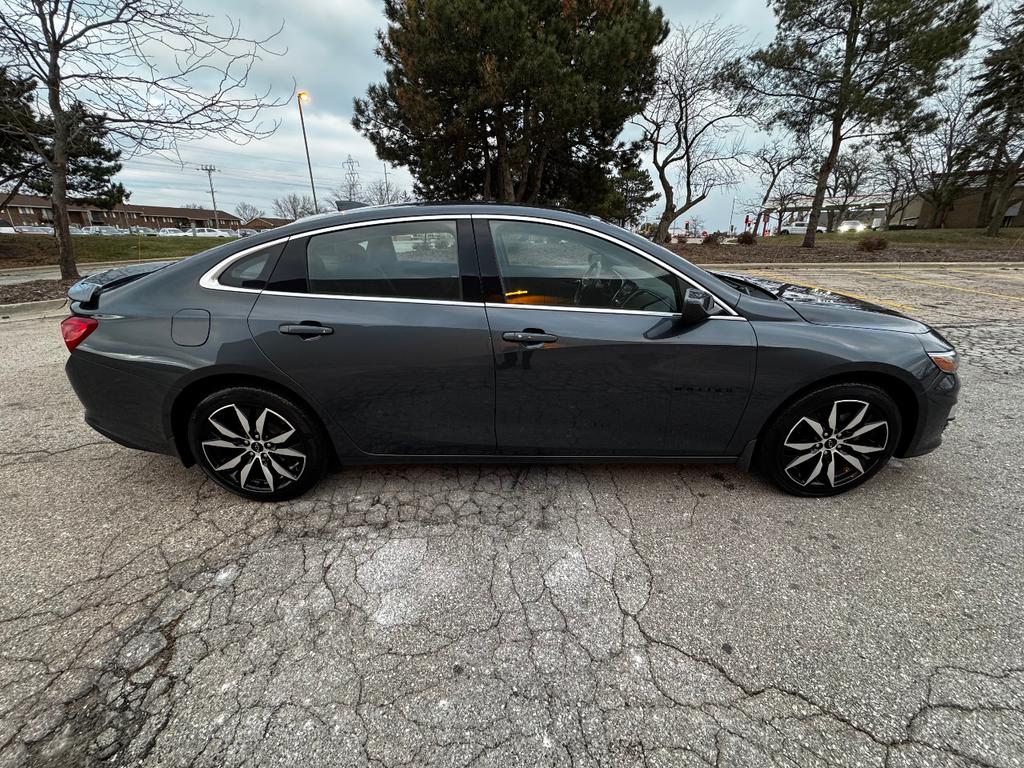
{"x": 301, "y": 97}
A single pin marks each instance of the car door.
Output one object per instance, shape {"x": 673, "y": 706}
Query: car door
{"x": 383, "y": 324}
{"x": 591, "y": 354}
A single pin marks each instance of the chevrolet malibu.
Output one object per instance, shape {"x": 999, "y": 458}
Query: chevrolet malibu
{"x": 472, "y": 333}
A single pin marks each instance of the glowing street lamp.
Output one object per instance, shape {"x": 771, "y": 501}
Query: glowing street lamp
{"x": 303, "y": 96}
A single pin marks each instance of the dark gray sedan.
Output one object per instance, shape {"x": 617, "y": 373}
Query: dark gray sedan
{"x": 442, "y": 333}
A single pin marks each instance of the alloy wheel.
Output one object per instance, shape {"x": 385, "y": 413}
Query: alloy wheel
{"x": 835, "y": 445}
{"x": 253, "y": 448}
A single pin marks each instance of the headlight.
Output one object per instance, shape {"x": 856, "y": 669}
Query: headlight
{"x": 945, "y": 361}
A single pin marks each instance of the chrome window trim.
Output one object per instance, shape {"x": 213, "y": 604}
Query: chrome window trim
{"x": 379, "y": 299}
{"x": 615, "y": 241}
{"x": 209, "y": 278}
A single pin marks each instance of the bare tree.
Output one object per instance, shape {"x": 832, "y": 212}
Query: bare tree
{"x": 851, "y": 181}
{"x": 247, "y": 212}
{"x": 893, "y": 180}
{"x": 769, "y": 163}
{"x": 294, "y": 206}
{"x": 939, "y": 160}
{"x": 691, "y": 124}
{"x": 382, "y": 192}
{"x": 192, "y": 206}
{"x": 157, "y": 72}
{"x": 790, "y": 188}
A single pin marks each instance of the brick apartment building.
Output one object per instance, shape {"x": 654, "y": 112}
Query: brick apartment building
{"x": 28, "y": 210}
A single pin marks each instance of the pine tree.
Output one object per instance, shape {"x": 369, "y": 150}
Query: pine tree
{"x": 510, "y": 100}
{"x": 844, "y": 70}
{"x": 1000, "y": 117}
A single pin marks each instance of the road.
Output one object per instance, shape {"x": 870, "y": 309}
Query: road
{"x": 536, "y": 615}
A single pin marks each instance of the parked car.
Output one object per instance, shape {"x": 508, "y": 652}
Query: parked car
{"x": 173, "y": 232}
{"x": 105, "y": 230}
{"x": 525, "y": 335}
{"x": 211, "y": 232}
{"x": 851, "y": 226}
{"x": 6, "y": 228}
{"x": 245, "y": 232}
{"x": 144, "y": 231}
{"x": 798, "y": 228}
{"x": 35, "y": 230}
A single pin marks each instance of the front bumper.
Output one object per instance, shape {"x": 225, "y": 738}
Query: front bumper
{"x": 936, "y": 411}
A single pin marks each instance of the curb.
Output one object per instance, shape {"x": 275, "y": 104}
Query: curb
{"x": 32, "y": 310}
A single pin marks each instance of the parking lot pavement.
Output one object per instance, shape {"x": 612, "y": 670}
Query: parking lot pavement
{"x": 501, "y": 615}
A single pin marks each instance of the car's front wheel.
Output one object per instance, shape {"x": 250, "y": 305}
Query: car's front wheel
{"x": 831, "y": 440}
{"x": 257, "y": 444}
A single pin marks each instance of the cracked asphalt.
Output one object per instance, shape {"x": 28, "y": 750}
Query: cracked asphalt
{"x": 532, "y": 615}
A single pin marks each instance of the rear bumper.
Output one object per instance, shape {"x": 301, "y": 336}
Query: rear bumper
{"x": 936, "y": 412}
{"x": 121, "y": 406}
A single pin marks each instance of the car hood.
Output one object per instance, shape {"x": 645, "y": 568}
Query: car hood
{"x": 821, "y": 307}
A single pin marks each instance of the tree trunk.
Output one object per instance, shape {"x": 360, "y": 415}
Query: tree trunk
{"x": 667, "y": 217}
{"x": 819, "y": 197}
{"x": 1004, "y": 191}
{"x": 59, "y": 203}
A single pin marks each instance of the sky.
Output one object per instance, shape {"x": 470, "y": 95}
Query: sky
{"x": 330, "y": 54}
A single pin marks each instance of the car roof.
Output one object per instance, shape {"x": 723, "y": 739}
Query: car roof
{"x": 383, "y": 212}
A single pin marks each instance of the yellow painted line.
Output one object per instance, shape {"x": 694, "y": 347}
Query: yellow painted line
{"x": 1008, "y": 274}
{"x": 873, "y": 299}
{"x": 937, "y": 284}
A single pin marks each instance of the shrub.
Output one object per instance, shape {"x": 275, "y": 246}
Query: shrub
{"x": 746, "y": 238}
{"x": 872, "y": 244}
{"x": 714, "y": 238}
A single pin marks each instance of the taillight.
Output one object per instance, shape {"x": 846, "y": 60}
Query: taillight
{"x": 74, "y": 329}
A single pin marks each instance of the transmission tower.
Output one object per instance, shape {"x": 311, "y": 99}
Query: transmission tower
{"x": 210, "y": 170}
{"x": 351, "y": 167}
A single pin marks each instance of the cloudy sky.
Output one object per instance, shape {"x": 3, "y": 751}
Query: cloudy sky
{"x": 330, "y": 53}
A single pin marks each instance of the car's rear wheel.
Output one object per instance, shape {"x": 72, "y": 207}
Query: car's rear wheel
{"x": 257, "y": 444}
{"x": 831, "y": 440}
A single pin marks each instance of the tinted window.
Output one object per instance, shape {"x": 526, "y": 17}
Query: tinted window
{"x": 250, "y": 271}
{"x": 549, "y": 265}
{"x": 415, "y": 260}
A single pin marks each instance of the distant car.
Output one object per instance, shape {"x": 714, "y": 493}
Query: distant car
{"x": 851, "y": 226}
{"x": 798, "y": 228}
{"x": 35, "y": 230}
{"x": 247, "y": 232}
{"x": 104, "y": 230}
{"x": 173, "y": 232}
{"x": 211, "y": 232}
{"x": 144, "y": 231}
{"x": 6, "y": 228}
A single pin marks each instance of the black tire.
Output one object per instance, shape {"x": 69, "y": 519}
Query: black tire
{"x": 784, "y": 232}
{"x": 805, "y": 463}
{"x": 281, "y": 464}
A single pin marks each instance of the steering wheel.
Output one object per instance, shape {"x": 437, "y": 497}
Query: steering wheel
{"x": 588, "y": 280}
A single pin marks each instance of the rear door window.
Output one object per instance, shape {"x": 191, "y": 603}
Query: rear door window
{"x": 410, "y": 260}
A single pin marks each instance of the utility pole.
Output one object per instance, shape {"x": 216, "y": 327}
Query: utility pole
{"x": 387, "y": 187}
{"x": 210, "y": 170}
{"x": 351, "y": 178}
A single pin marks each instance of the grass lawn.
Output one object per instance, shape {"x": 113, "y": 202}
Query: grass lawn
{"x": 33, "y": 250}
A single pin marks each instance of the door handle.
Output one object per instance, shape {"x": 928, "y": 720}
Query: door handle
{"x": 305, "y": 329}
{"x": 528, "y": 337}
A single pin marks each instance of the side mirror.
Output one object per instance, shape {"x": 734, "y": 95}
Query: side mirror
{"x": 697, "y": 305}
